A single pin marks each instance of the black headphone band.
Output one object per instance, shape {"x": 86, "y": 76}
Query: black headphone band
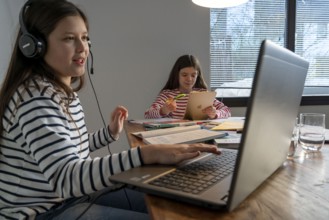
{"x": 30, "y": 45}
{"x": 21, "y": 19}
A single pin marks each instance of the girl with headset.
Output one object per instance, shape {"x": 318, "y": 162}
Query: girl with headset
{"x": 45, "y": 164}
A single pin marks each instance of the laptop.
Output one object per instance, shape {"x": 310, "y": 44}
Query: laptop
{"x": 270, "y": 117}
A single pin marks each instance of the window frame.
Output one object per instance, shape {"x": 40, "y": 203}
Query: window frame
{"x": 306, "y": 101}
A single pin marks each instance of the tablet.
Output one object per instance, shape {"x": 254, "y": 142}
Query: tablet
{"x": 197, "y": 101}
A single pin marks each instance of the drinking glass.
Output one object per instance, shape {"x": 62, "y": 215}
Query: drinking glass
{"x": 311, "y": 131}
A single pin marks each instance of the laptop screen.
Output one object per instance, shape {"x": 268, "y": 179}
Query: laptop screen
{"x": 273, "y": 106}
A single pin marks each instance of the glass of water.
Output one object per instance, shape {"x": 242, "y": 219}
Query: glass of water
{"x": 311, "y": 131}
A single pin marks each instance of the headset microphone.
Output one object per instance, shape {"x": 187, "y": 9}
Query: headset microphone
{"x": 91, "y": 58}
{"x": 92, "y": 63}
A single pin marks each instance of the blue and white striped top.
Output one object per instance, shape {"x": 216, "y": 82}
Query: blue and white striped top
{"x": 45, "y": 153}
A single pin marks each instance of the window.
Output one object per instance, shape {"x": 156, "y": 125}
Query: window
{"x": 237, "y": 33}
{"x": 312, "y": 43}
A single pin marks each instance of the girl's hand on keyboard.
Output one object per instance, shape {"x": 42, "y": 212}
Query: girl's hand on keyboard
{"x": 174, "y": 153}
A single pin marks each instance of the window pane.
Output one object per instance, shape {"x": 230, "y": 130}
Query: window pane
{"x": 312, "y": 43}
{"x": 236, "y": 35}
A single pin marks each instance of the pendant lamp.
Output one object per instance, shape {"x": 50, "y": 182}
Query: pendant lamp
{"x": 218, "y": 3}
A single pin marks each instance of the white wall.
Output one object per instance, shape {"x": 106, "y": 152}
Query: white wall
{"x": 9, "y": 11}
{"x": 135, "y": 44}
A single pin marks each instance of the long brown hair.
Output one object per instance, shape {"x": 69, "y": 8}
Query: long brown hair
{"x": 183, "y": 62}
{"x": 40, "y": 19}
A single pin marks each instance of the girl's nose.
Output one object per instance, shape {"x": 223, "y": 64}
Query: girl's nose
{"x": 82, "y": 46}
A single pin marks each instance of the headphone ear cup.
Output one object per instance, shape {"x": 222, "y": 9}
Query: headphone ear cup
{"x": 31, "y": 47}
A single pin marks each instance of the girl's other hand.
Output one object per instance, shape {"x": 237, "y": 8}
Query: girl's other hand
{"x": 210, "y": 111}
{"x": 118, "y": 116}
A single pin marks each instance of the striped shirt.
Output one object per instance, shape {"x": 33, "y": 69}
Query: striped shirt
{"x": 45, "y": 153}
{"x": 222, "y": 111}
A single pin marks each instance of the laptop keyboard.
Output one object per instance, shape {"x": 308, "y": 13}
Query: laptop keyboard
{"x": 198, "y": 176}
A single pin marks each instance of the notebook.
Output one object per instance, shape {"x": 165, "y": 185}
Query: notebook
{"x": 198, "y": 101}
{"x": 270, "y": 117}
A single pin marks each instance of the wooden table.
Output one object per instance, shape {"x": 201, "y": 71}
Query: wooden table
{"x": 298, "y": 190}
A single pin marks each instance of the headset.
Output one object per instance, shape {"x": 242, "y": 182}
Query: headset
{"x": 30, "y": 45}
{"x": 91, "y": 58}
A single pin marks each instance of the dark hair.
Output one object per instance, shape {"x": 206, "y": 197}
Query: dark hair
{"x": 40, "y": 19}
{"x": 183, "y": 62}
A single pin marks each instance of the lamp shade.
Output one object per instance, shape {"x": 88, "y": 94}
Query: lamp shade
{"x": 218, "y": 3}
